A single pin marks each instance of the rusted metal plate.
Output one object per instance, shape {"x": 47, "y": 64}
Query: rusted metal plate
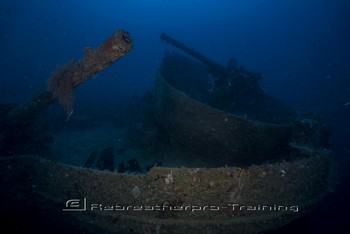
{"x": 215, "y": 134}
{"x": 167, "y": 200}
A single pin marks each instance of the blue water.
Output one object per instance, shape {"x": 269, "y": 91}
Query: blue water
{"x": 301, "y": 47}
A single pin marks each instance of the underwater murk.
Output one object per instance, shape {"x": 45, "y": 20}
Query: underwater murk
{"x": 150, "y": 130}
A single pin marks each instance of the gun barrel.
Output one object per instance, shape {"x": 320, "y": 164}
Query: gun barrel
{"x": 218, "y": 71}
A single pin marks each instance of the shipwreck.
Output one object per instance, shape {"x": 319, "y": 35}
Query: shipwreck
{"x": 267, "y": 165}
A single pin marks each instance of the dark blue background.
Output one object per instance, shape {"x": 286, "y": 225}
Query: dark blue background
{"x": 301, "y": 47}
